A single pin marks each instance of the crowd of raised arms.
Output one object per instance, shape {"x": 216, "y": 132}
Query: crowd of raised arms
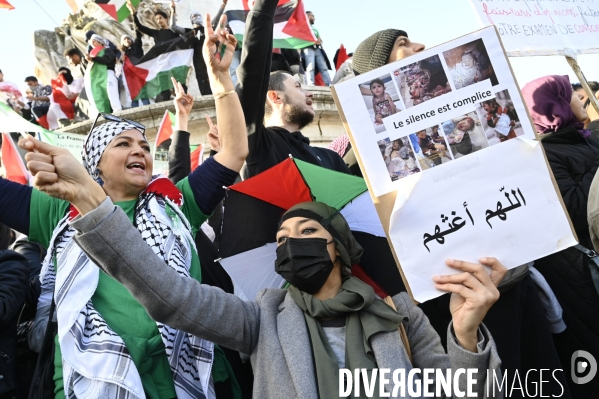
{"x": 110, "y": 281}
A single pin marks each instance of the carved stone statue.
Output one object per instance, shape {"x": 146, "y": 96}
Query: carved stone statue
{"x": 50, "y": 45}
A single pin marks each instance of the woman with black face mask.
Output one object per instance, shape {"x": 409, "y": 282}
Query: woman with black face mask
{"x": 298, "y": 339}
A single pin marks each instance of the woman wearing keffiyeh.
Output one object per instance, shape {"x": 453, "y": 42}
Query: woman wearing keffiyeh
{"x": 107, "y": 346}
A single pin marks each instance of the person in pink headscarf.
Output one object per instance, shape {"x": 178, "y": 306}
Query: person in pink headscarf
{"x": 558, "y": 114}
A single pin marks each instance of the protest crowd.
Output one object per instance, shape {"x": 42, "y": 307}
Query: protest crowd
{"x": 111, "y": 282}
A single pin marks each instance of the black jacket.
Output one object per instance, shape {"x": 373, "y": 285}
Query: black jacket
{"x": 269, "y": 146}
{"x": 14, "y": 278}
{"x": 108, "y": 59}
{"x": 159, "y": 35}
{"x": 136, "y": 51}
{"x": 198, "y": 37}
{"x": 574, "y": 161}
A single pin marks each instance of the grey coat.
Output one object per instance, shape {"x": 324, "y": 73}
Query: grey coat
{"x": 272, "y": 330}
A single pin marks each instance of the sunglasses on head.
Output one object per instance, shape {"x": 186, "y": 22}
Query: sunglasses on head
{"x": 112, "y": 118}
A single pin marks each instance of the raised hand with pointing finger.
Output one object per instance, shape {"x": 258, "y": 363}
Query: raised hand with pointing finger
{"x": 212, "y": 136}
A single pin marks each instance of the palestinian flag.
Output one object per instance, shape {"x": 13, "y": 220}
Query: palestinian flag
{"x": 291, "y": 30}
{"x": 59, "y": 96}
{"x": 59, "y": 102}
{"x": 11, "y": 90}
{"x": 163, "y": 142}
{"x": 5, "y": 4}
{"x": 10, "y": 121}
{"x": 12, "y": 162}
{"x": 254, "y": 206}
{"x": 117, "y": 9}
{"x": 340, "y": 57}
{"x": 96, "y": 81}
{"x": 151, "y": 75}
{"x": 197, "y": 156}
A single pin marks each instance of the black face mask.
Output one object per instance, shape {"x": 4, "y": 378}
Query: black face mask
{"x": 304, "y": 262}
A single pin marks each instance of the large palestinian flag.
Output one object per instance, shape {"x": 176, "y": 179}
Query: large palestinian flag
{"x": 254, "y": 206}
{"x": 151, "y": 75}
{"x": 291, "y": 30}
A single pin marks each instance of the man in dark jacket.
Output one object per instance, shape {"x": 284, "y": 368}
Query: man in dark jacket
{"x": 196, "y": 35}
{"x": 14, "y": 279}
{"x": 288, "y": 106}
{"x": 164, "y": 34}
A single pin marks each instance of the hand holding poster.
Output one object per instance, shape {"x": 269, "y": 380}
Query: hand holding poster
{"x": 558, "y": 27}
{"x": 445, "y": 144}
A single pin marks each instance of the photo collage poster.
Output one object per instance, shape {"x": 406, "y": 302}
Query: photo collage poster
{"x": 447, "y": 148}
{"x": 433, "y": 108}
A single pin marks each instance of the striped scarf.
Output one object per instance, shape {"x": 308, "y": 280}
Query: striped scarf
{"x": 96, "y": 362}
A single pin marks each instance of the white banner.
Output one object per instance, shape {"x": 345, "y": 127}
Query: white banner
{"x": 447, "y": 130}
{"x": 70, "y": 141}
{"x": 541, "y": 27}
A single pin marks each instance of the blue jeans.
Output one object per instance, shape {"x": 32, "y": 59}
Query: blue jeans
{"x": 135, "y": 103}
{"x": 315, "y": 62}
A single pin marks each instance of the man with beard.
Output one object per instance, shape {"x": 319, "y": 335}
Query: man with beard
{"x": 197, "y": 36}
{"x": 274, "y": 128}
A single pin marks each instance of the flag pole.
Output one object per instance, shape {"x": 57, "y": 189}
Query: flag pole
{"x": 583, "y": 81}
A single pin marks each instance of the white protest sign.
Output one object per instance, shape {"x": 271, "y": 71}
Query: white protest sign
{"x": 445, "y": 133}
{"x": 492, "y": 203}
{"x": 441, "y": 91}
{"x": 70, "y": 141}
{"x": 542, "y": 27}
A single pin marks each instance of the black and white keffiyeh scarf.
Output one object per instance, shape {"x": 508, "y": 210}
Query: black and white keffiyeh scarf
{"x": 96, "y": 362}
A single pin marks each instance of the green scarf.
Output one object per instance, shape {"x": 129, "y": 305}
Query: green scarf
{"x": 366, "y": 315}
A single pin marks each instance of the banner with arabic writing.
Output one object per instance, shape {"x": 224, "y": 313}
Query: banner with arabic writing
{"x": 447, "y": 148}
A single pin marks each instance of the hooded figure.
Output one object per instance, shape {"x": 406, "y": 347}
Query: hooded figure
{"x": 345, "y": 244}
{"x": 549, "y": 101}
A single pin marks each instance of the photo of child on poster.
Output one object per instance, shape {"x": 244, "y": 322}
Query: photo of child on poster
{"x": 499, "y": 118}
{"x": 433, "y": 147}
{"x": 465, "y": 134}
{"x": 421, "y": 81}
{"x": 381, "y": 99}
{"x": 469, "y": 64}
{"x": 399, "y": 157}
